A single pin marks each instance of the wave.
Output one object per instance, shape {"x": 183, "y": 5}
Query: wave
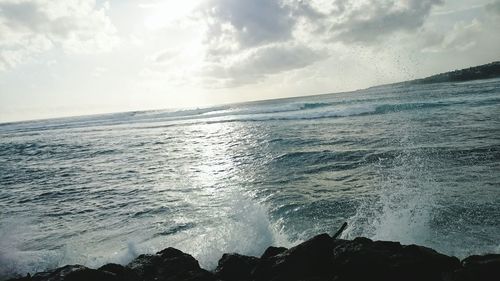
{"x": 304, "y": 111}
{"x": 387, "y": 108}
{"x": 259, "y": 111}
{"x": 316, "y": 111}
{"x": 247, "y": 113}
{"x": 272, "y": 108}
{"x": 308, "y": 115}
{"x": 319, "y": 157}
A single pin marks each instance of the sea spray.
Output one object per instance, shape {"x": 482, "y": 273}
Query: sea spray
{"x": 246, "y": 230}
{"x": 402, "y": 207}
{"x": 15, "y": 255}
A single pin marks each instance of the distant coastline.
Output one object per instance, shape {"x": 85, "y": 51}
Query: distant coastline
{"x": 480, "y": 72}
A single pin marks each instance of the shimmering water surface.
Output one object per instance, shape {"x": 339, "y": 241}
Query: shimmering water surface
{"x": 417, "y": 164}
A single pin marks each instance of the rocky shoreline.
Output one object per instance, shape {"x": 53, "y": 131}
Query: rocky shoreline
{"x": 321, "y": 258}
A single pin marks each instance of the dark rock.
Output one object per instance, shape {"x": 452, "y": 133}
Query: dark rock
{"x": 272, "y": 251}
{"x": 169, "y": 265}
{"x": 197, "y": 275}
{"x": 121, "y": 272}
{"x": 318, "y": 259}
{"x": 485, "y": 268}
{"x": 74, "y": 273}
{"x": 307, "y": 261}
{"x": 235, "y": 267}
{"x": 25, "y": 278}
{"x": 363, "y": 259}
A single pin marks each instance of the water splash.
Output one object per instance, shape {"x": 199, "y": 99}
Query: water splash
{"x": 402, "y": 209}
{"x": 247, "y": 230}
{"x": 14, "y": 258}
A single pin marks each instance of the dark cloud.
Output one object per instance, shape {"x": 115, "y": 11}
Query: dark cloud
{"x": 260, "y": 62}
{"x": 258, "y": 22}
{"x": 22, "y": 15}
{"x": 494, "y": 7}
{"x": 34, "y": 17}
{"x": 247, "y": 23}
{"x": 374, "y": 20}
{"x": 248, "y": 40}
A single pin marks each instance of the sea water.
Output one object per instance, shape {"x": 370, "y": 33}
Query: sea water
{"x": 417, "y": 164}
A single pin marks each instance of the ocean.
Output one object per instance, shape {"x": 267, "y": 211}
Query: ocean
{"x": 412, "y": 163}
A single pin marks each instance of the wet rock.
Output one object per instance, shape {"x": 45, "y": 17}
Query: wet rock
{"x": 307, "y": 261}
{"x": 485, "y": 268}
{"x": 169, "y": 265}
{"x": 273, "y": 251}
{"x": 196, "y": 275}
{"x": 121, "y": 272}
{"x": 25, "y": 278}
{"x": 235, "y": 267}
{"x": 364, "y": 259}
{"x": 74, "y": 273}
{"x": 321, "y": 258}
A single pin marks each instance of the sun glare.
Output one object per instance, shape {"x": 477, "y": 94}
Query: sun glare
{"x": 163, "y": 13}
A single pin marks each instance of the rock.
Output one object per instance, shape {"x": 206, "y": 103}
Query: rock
{"x": 25, "y": 278}
{"x": 74, "y": 273}
{"x": 485, "y": 268}
{"x": 321, "y": 258}
{"x": 309, "y": 260}
{"x": 121, "y": 272}
{"x": 363, "y": 259}
{"x": 272, "y": 251}
{"x": 235, "y": 267}
{"x": 197, "y": 275}
{"x": 169, "y": 265}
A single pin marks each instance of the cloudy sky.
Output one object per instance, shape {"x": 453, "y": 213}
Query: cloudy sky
{"x": 73, "y": 57}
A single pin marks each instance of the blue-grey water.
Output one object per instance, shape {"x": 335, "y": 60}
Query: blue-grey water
{"x": 418, "y": 164}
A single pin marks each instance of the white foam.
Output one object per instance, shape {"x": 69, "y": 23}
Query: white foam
{"x": 402, "y": 208}
{"x": 327, "y": 112}
{"x": 13, "y": 258}
{"x": 247, "y": 230}
{"x": 287, "y": 111}
{"x": 18, "y": 255}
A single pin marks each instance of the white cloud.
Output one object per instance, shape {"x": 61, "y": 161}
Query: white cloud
{"x": 99, "y": 71}
{"x": 164, "y": 56}
{"x": 162, "y": 13}
{"x": 31, "y": 27}
{"x": 462, "y": 37}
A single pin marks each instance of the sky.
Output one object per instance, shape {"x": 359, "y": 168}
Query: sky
{"x": 76, "y": 57}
